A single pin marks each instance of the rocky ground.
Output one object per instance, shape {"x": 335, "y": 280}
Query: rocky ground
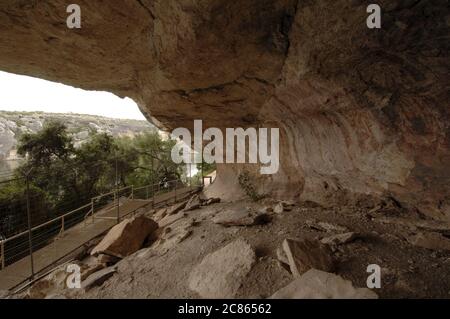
{"x": 239, "y": 249}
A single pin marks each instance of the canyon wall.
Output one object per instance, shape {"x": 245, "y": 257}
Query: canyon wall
{"x": 360, "y": 111}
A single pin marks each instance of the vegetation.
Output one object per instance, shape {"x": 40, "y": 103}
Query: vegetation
{"x": 207, "y": 168}
{"x": 63, "y": 177}
{"x": 248, "y": 186}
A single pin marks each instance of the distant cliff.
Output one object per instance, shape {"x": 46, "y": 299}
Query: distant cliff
{"x": 13, "y": 124}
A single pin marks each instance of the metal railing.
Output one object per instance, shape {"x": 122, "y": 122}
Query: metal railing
{"x": 116, "y": 202}
{"x": 105, "y": 203}
{"x": 61, "y": 218}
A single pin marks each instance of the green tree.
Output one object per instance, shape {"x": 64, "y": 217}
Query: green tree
{"x": 50, "y": 143}
{"x": 147, "y": 159}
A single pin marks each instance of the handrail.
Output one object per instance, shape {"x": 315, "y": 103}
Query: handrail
{"x": 156, "y": 184}
{"x": 113, "y": 192}
{"x": 44, "y": 224}
{"x": 62, "y": 217}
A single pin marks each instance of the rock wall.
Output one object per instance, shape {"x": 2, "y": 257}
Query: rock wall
{"x": 360, "y": 110}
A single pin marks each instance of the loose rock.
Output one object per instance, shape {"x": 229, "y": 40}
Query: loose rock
{"x": 160, "y": 214}
{"x": 212, "y": 200}
{"x": 220, "y": 273}
{"x": 193, "y": 203}
{"x": 339, "y": 239}
{"x": 316, "y": 284}
{"x": 126, "y": 238}
{"x": 241, "y": 217}
{"x": 170, "y": 219}
{"x": 324, "y": 226}
{"x": 278, "y": 208}
{"x": 176, "y": 208}
{"x": 306, "y": 254}
{"x": 98, "y": 278}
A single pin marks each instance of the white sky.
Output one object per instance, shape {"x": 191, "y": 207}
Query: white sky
{"x": 23, "y": 93}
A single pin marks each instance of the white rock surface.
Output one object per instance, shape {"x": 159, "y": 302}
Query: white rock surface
{"x": 317, "y": 284}
{"x": 220, "y": 274}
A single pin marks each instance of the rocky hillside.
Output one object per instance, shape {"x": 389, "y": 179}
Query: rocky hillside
{"x": 13, "y": 124}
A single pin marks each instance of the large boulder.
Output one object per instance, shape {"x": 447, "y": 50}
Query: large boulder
{"x": 126, "y": 238}
{"x": 317, "y": 284}
{"x": 220, "y": 274}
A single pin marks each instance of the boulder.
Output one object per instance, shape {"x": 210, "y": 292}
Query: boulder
{"x": 221, "y": 273}
{"x": 241, "y": 217}
{"x": 126, "y": 238}
{"x": 283, "y": 206}
{"x": 305, "y": 254}
{"x": 339, "y": 239}
{"x": 98, "y": 278}
{"x": 278, "y": 208}
{"x": 317, "y": 284}
{"x": 430, "y": 240}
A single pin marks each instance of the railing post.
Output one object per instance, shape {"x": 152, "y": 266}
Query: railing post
{"x": 92, "y": 209}
{"x": 153, "y": 195}
{"x": 2, "y": 254}
{"x": 176, "y": 184}
{"x": 118, "y": 208}
{"x": 189, "y": 175}
{"x": 30, "y": 241}
{"x": 201, "y": 168}
{"x": 117, "y": 191}
{"x": 62, "y": 225}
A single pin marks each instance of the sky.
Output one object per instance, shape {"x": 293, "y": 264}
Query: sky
{"x": 24, "y": 93}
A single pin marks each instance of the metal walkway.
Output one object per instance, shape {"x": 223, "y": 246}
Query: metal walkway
{"x": 74, "y": 238}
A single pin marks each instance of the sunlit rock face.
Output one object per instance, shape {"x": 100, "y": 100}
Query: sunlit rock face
{"x": 359, "y": 110}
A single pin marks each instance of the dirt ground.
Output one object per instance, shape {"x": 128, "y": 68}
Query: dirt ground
{"x": 407, "y": 271}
